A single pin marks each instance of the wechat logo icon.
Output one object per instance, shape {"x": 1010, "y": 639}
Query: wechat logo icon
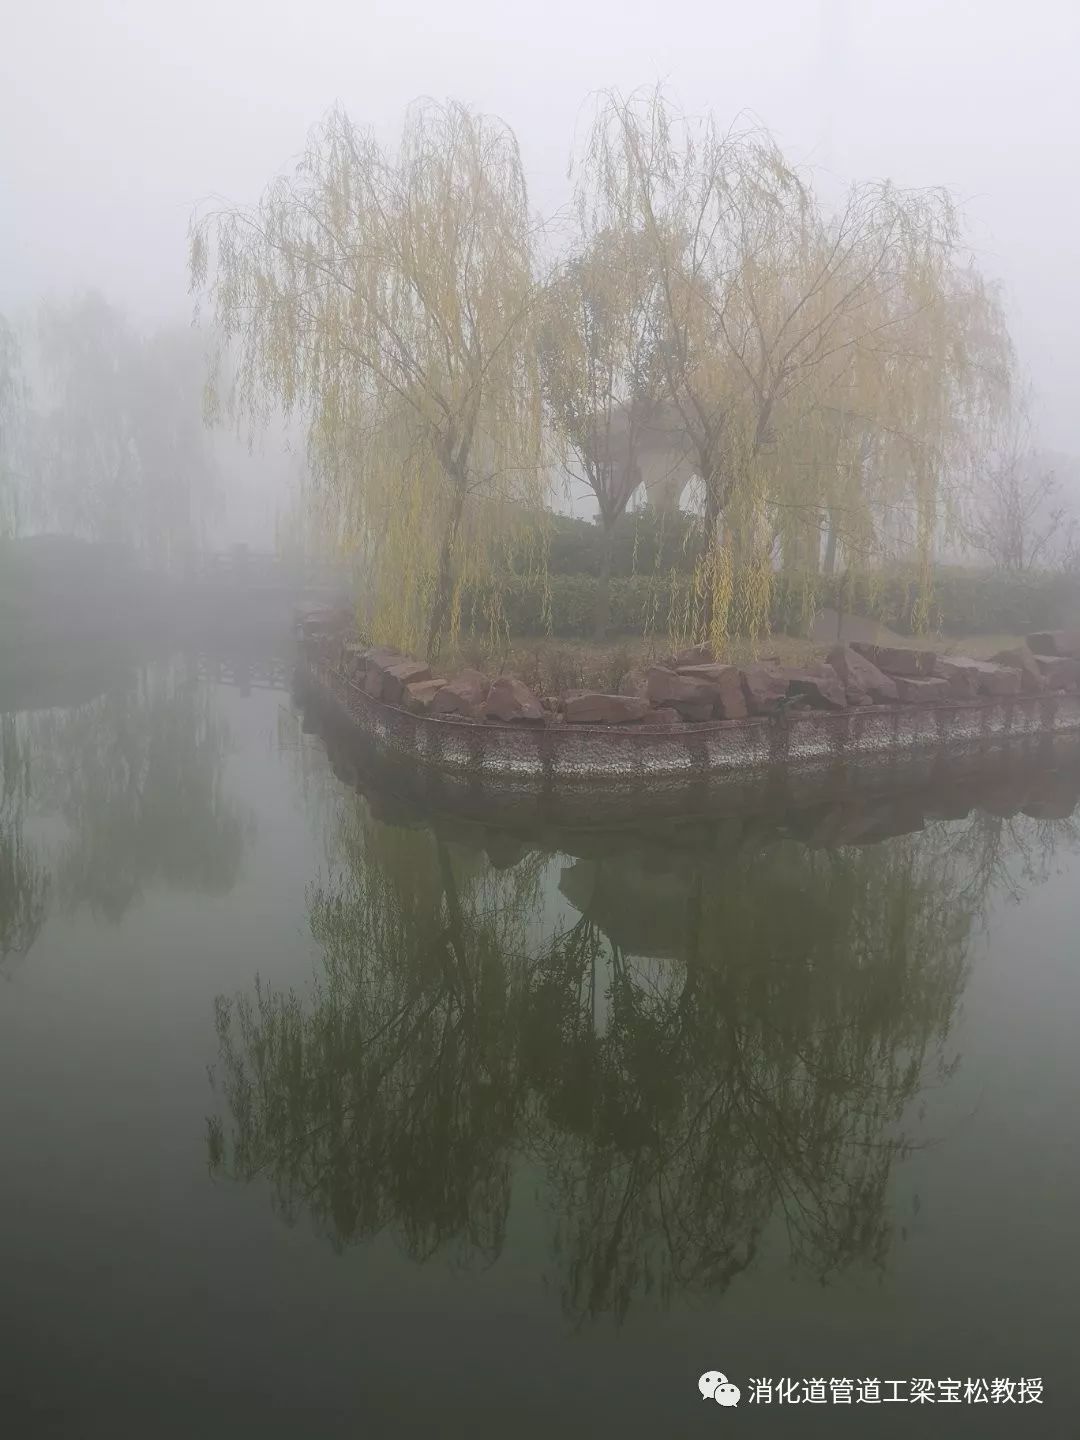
{"x": 714, "y": 1385}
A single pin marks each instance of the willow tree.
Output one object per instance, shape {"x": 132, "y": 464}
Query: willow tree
{"x": 601, "y": 343}
{"x": 797, "y": 341}
{"x": 387, "y": 297}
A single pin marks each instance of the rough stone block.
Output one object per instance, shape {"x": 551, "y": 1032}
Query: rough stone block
{"x": 587, "y": 707}
{"x": 396, "y": 679}
{"x": 1059, "y": 672}
{"x": 728, "y": 698}
{"x": 929, "y": 690}
{"x": 681, "y": 692}
{"x": 511, "y": 701}
{"x": 1023, "y": 660}
{"x": 462, "y": 695}
{"x": 765, "y": 688}
{"x": 897, "y": 659}
{"x": 861, "y": 676}
{"x": 969, "y": 677}
{"x": 420, "y": 695}
{"x": 822, "y": 691}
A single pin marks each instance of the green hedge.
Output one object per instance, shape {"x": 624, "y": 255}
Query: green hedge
{"x": 643, "y": 543}
{"x": 962, "y": 601}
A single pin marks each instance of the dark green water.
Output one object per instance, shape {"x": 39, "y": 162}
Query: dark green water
{"x": 320, "y": 1118}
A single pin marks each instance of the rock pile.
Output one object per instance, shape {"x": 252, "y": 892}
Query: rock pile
{"x": 693, "y": 688}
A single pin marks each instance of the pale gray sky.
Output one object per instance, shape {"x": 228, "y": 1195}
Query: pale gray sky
{"x": 116, "y": 116}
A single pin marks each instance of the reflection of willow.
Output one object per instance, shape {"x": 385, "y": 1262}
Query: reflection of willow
{"x": 1007, "y": 854}
{"x": 136, "y": 776}
{"x": 392, "y": 1099}
{"x": 675, "y": 1106}
{"x": 24, "y": 884}
{"x": 765, "y": 1074}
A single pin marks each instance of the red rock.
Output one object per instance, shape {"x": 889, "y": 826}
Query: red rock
{"x": 861, "y": 676}
{"x": 962, "y": 677}
{"x": 1065, "y": 643}
{"x": 728, "y": 699}
{"x": 824, "y": 692}
{"x": 462, "y": 694}
{"x": 969, "y": 677}
{"x": 420, "y": 695}
{"x": 592, "y": 708}
{"x": 764, "y": 688}
{"x": 680, "y": 692}
{"x": 1021, "y": 659}
{"x": 510, "y": 700}
{"x": 376, "y": 662}
{"x": 897, "y": 659}
{"x": 396, "y": 678}
{"x": 929, "y": 690}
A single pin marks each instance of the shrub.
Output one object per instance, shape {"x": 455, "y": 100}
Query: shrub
{"x": 962, "y": 601}
{"x": 643, "y": 543}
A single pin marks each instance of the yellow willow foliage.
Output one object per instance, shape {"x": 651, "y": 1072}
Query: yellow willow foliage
{"x": 387, "y": 298}
{"x": 601, "y": 342}
{"x": 833, "y": 371}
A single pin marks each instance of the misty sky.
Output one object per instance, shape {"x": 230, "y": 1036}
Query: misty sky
{"x": 117, "y": 116}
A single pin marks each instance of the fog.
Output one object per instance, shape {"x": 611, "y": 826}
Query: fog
{"x": 117, "y": 119}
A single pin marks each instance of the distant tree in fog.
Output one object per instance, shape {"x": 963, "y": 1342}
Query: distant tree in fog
{"x": 12, "y": 399}
{"x": 1020, "y": 518}
{"x": 119, "y": 450}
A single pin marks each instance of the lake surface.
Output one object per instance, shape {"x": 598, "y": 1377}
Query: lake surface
{"x": 324, "y": 1117}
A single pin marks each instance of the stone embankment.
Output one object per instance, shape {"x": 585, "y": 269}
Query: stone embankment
{"x": 694, "y": 735}
{"x": 692, "y": 688}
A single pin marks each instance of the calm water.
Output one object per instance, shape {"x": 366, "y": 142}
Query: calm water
{"x": 322, "y": 1118}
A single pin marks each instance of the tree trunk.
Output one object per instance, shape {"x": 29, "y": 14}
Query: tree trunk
{"x": 831, "y": 544}
{"x": 602, "y": 611}
{"x": 444, "y": 581}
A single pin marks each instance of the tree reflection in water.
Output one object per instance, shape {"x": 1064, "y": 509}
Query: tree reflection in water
{"x": 729, "y": 1036}
{"x": 136, "y": 777}
{"x": 24, "y": 883}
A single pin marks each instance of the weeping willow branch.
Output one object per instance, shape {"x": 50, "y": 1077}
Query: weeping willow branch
{"x": 389, "y": 298}
{"x": 822, "y": 363}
